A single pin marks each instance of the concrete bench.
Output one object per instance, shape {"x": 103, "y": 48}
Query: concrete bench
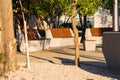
{"x": 60, "y": 37}
{"x": 90, "y": 45}
{"x": 94, "y": 36}
{"x": 35, "y": 41}
{"x": 55, "y": 37}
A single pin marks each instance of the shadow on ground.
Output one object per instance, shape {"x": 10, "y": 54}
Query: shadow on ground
{"x": 97, "y": 66}
{"x": 98, "y": 49}
{"x": 62, "y": 52}
{"x": 39, "y": 58}
{"x": 93, "y": 67}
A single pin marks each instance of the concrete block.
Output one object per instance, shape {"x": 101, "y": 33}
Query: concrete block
{"x": 90, "y": 45}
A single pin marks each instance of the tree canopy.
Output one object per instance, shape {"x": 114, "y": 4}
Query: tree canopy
{"x": 88, "y": 7}
{"x": 108, "y": 4}
{"x": 48, "y": 10}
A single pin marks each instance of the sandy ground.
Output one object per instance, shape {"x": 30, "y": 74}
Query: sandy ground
{"x": 58, "y": 64}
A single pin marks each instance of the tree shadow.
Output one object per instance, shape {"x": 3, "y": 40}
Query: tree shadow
{"x": 98, "y": 49}
{"x": 79, "y": 49}
{"x": 40, "y": 58}
{"x": 93, "y": 57}
{"x": 98, "y": 68}
{"x": 62, "y": 52}
{"x": 100, "y": 59}
{"x": 66, "y": 61}
{"x": 99, "y": 46}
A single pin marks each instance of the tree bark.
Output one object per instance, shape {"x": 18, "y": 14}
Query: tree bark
{"x": 58, "y": 21}
{"x": 80, "y": 18}
{"x": 51, "y": 25}
{"x": 7, "y": 36}
{"x": 75, "y": 33}
{"x": 68, "y": 19}
{"x": 84, "y": 29}
{"x": 1, "y": 64}
{"x": 0, "y": 28}
{"x": 26, "y": 37}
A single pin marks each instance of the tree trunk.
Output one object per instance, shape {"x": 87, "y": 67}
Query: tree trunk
{"x": 65, "y": 19}
{"x": 68, "y": 19}
{"x": 0, "y": 31}
{"x": 75, "y": 33}
{"x": 8, "y": 40}
{"x": 80, "y": 18}
{"x": 26, "y": 37}
{"x": 84, "y": 29}
{"x": 40, "y": 24}
{"x": 50, "y": 25}
{"x": 1, "y": 64}
{"x": 58, "y": 21}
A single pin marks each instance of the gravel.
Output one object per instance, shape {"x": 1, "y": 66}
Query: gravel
{"x": 49, "y": 71}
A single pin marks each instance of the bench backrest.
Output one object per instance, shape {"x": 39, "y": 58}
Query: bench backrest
{"x": 99, "y": 31}
{"x": 61, "y": 32}
{"x": 32, "y": 34}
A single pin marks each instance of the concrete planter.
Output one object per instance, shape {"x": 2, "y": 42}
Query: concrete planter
{"x": 111, "y": 49}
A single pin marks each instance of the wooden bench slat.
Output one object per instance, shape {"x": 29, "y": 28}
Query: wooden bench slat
{"x": 61, "y": 32}
{"x": 99, "y": 31}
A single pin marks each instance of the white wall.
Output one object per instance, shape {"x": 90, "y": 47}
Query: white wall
{"x": 102, "y": 18}
{"x": 65, "y": 18}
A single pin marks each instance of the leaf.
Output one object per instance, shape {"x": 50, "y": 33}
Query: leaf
{"x": 88, "y": 7}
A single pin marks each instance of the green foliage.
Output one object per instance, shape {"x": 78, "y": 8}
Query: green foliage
{"x": 42, "y": 9}
{"x": 88, "y": 7}
{"x": 17, "y": 8}
{"x": 49, "y": 8}
{"x": 108, "y": 4}
{"x": 1, "y": 56}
